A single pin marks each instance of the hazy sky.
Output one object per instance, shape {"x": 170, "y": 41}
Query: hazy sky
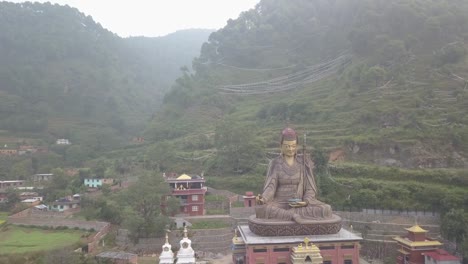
{"x": 158, "y": 17}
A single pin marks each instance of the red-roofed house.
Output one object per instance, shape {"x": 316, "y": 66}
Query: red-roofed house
{"x": 440, "y": 256}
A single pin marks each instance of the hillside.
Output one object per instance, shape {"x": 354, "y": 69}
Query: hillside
{"x": 63, "y": 73}
{"x": 382, "y": 82}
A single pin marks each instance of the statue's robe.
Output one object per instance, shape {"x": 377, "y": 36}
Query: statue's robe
{"x": 286, "y": 182}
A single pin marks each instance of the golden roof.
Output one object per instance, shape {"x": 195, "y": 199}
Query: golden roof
{"x": 416, "y": 229}
{"x": 307, "y": 247}
{"x": 184, "y": 177}
{"x": 404, "y": 252}
{"x": 426, "y": 243}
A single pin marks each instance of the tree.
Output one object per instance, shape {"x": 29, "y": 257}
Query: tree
{"x": 159, "y": 155}
{"x": 58, "y": 186}
{"x": 77, "y": 154}
{"x": 172, "y": 206}
{"x": 238, "y": 149}
{"x": 13, "y": 198}
{"x": 375, "y": 75}
{"x": 455, "y": 226}
{"x": 142, "y": 213}
{"x": 22, "y": 170}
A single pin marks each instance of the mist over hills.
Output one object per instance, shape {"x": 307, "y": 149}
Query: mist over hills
{"x": 61, "y": 71}
{"x": 378, "y": 89}
{"x": 378, "y": 81}
{"x": 381, "y": 81}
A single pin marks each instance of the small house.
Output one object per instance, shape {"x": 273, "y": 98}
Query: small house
{"x": 64, "y": 204}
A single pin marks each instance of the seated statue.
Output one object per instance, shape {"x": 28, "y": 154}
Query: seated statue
{"x": 290, "y": 189}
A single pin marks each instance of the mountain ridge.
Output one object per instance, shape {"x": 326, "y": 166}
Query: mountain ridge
{"x": 398, "y": 97}
{"x": 61, "y": 71}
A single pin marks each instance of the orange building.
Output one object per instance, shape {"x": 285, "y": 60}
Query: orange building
{"x": 413, "y": 246}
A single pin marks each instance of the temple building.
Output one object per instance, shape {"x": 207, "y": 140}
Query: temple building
{"x": 191, "y": 191}
{"x": 249, "y": 199}
{"x": 340, "y": 248}
{"x": 417, "y": 248}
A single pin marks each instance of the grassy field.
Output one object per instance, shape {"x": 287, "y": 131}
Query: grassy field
{"x": 3, "y": 215}
{"x": 15, "y": 239}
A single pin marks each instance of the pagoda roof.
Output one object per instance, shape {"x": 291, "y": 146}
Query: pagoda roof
{"x": 184, "y": 177}
{"x": 416, "y": 229}
{"x": 414, "y": 244}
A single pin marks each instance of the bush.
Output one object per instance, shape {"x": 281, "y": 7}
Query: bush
{"x": 210, "y": 224}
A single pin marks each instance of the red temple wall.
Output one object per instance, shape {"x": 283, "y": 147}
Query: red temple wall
{"x": 337, "y": 255}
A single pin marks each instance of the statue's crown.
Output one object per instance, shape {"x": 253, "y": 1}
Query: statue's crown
{"x": 288, "y": 134}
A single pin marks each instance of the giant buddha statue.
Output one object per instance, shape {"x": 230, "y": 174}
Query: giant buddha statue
{"x": 288, "y": 204}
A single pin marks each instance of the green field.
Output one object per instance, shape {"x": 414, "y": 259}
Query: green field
{"x": 20, "y": 240}
{"x": 3, "y": 216}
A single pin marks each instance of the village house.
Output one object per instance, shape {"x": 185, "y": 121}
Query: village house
{"x": 65, "y": 204}
{"x": 96, "y": 183}
{"x": 28, "y": 195}
{"x": 62, "y": 141}
{"x": 42, "y": 177}
{"x": 32, "y": 201}
{"x": 8, "y": 152}
{"x": 11, "y": 184}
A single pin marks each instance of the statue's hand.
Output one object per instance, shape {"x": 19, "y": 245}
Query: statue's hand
{"x": 298, "y": 204}
{"x": 260, "y": 200}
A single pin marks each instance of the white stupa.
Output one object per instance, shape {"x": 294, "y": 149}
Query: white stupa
{"x": 167, "y": 256}
{"x": 185, "y": 255}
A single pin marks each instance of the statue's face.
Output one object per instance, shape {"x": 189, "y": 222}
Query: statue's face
{"x": 289, "y": 148}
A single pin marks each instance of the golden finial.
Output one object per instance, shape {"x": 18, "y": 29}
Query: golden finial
{"x": 185, "y": 232}
{"x": 306, "y": 241}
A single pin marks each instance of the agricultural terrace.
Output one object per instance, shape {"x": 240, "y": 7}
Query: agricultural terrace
{"x": 16, "y": 239}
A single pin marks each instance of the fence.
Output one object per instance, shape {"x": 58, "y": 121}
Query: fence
{"x": 406, "y": 212}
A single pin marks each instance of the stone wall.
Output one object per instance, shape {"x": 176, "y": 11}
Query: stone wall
{"x": 94, "y": 240}
{"x": 242, "y": 214}
{"x": 380, "y": 226}
{"x": 33, "y": 213}
{"x": 53, "y": 223}
{"x": 206, "y": 240}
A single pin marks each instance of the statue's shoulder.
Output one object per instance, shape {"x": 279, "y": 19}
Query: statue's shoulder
{"x": 300, "y": 160}
{"x": 276, "y": 162}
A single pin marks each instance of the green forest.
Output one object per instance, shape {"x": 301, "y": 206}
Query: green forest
{"x": 377, "y": 90}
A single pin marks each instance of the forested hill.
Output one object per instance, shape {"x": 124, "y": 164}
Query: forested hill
{"x": 62, "y": 72}
{"x": 383, "y": 81}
